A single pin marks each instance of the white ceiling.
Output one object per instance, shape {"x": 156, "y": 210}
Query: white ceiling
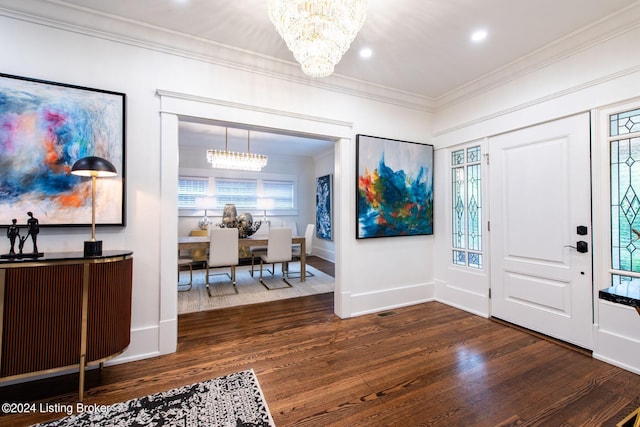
{"x": 421, "y": 47}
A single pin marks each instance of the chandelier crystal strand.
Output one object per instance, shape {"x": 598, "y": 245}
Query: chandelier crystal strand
{"x": 318, "y": 32}
{"x": 238, "y": 161}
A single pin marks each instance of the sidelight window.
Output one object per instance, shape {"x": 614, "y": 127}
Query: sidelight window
{"x": 466, "y": 196}
{"x": 624, "y": 142}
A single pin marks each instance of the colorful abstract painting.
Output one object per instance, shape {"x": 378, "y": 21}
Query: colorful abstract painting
{"x": 44, "y": 128}
{"x": 394, "y": 193}
{"x": 323, "y": 208}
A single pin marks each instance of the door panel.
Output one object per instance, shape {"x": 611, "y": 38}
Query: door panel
{"x": 539, "y": 193}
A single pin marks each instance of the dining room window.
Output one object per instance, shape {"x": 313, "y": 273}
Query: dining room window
{"x": 280, "y": 191}
{"x": 243, "y": 193}
{"x": 190, "y": 189}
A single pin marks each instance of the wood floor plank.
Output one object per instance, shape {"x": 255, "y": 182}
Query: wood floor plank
{"x": 428, "y": 364}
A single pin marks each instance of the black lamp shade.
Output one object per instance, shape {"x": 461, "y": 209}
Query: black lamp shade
{"x": 93, "y": 166}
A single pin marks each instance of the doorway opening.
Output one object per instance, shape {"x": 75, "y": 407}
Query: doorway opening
{"x": 295, "y": 162}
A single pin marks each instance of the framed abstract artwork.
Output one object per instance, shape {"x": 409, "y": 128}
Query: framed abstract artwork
{"x": 44, "y": 128}
{"x": 324, "y": 215}
{"x": 394, "y": 188}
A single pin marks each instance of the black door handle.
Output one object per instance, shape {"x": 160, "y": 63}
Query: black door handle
{"x": 582, "y": 246}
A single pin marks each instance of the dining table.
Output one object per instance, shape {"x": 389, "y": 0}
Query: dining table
{"x": 202, "y": 242}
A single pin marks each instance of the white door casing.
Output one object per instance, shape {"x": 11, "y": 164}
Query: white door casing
{"x": 540, "y": 192}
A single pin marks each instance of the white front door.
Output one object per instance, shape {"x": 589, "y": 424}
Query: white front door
{"x": 540, "y": 193}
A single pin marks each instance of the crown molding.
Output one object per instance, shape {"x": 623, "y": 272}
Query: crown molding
{"x": 607, "y": 28}
{"x": 531, "y": 103}
{"x": 66, "y": 17}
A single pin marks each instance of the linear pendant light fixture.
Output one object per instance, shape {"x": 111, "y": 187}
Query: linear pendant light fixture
{"x": 318, "y": 32}
{"x": 239, "y": 161}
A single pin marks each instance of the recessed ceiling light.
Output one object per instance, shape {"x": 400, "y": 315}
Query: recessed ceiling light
{"x": 479, "y": 35}
{"x": 366, "y": 52}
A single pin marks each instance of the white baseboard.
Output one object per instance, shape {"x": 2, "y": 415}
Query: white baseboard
{"x": 462, "y": 299}
{"x": 144, "y": 344}
{"x": 617, "y": 350}
{"x": 377, "y": 301}
{"x": 324, "y": 254}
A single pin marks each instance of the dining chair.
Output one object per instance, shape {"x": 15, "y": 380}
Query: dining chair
{"x": 185, "y": 262}
{"x": 297, "y": 250}
{"x": 199, "y": 255}
{"x": 278, "y": 251}
{"x": 257, "y": 251}
{"x": 223, "y": 252}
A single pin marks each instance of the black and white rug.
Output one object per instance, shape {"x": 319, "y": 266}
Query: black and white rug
{"x": 234, "y": 400}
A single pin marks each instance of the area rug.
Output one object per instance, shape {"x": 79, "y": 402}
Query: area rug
{"x": 234, "y": 400}
{"x": 249, "y": 289}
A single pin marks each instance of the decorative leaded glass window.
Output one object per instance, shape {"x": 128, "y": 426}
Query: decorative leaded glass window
{"x": 466, "y": 216}
{"x": 624, "y": 140}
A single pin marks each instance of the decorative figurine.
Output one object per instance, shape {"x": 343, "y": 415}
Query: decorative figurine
{"x": 13, "y": 231}
{"x": 34, "y": 228}
{"x": 21, "y": 244}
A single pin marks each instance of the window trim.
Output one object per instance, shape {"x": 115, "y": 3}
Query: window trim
{"x": 601, "y": 195}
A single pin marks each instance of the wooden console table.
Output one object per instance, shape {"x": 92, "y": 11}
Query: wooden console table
{"x": 63, "y": 311}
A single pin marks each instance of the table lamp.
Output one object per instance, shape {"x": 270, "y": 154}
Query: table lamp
{"x": 205, "y": 203}
{"x": 94, "y": 167}
{"x": 264, "y": 204}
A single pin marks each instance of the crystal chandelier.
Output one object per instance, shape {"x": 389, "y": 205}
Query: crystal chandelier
{"x": 318, "y": 32}
{"x": 239, "y": 161}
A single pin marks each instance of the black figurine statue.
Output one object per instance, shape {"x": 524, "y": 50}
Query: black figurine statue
{"x": 13, "y": 232}
{"x": 34, "y": 228}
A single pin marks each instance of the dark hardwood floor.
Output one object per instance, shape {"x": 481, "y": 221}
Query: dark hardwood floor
{"x": 327, "y": 267}
{"x": 424, "y": 365}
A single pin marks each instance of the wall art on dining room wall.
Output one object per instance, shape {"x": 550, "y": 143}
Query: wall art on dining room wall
{"x": 394, "y": 187}
{"x": 44, "y": 128}
{"x": 324, "y": 214}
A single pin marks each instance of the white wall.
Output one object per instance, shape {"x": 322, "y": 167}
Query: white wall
{"x": 587, "y": 79}
{"x": 375, "y": 274}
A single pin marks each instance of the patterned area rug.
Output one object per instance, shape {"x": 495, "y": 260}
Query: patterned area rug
{"x": 234, "y": 400}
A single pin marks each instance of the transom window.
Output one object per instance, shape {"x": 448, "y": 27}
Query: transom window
{"x": 466, "y": 217}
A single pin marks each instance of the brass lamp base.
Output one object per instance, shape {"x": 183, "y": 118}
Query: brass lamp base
{"x": 92, "y": 248}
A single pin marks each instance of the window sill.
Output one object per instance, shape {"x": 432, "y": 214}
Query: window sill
{"x": 628, "y": 295}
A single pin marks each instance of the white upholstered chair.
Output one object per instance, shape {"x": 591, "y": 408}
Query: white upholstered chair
{"x": 223, "y": 252}
{"x": 278, "y": 251}
{"x": 257, "y": 251}
{"x": 308, "y": 246}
